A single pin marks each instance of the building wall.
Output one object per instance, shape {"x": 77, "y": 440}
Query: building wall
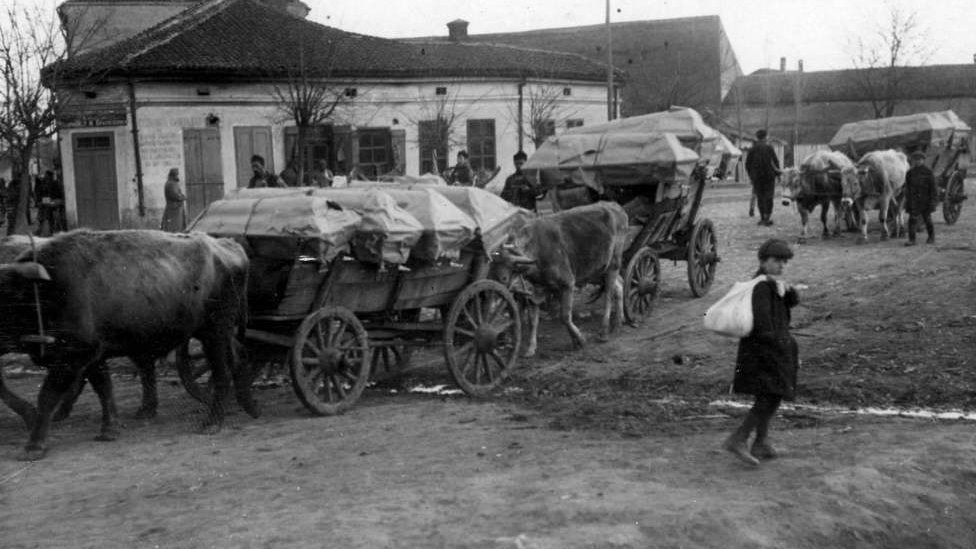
{"x": 166, "y": 110}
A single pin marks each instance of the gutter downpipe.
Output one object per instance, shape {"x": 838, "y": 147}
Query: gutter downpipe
{"x": 135, "y": 148}
{"x": 521, "y": 130}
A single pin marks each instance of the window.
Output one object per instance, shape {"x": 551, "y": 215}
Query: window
{"x": 481, "y": 144}
{"x": 351, "y": 92}
{"x": 567, "y": 91}
{"x": 318, "y": 144}
{"x": 440, "y": 91}
{"x": 574, "y": 123}
{"x": 374, "y": 147}
{"x": 97, "y": 142}
{"x": 432, "y": 137}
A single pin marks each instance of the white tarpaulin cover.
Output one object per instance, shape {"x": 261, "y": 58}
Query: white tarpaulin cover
{"x": 297, "y": 224}
{"x": 615, "y": 158}
{"x": 446, "y": 228}
{"x": 907, "y": 133}
{"x": 726, "y": 146}
{"x": 387, "y": 232}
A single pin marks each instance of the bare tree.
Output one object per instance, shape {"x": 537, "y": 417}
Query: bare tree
{"x": 437, "y": 121}
{"x": 546, "y": 110}
{"x": 310, "y": 97}
{"x": 31, "y": 39}
{"x": 881, "y": 56}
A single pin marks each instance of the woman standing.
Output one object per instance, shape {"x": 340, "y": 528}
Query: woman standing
{"x": 174, "y": 217}
{"x": 767, "y": 361}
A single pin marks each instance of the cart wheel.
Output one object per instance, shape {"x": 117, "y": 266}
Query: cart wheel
{"x": 330, "y": 360}
{"x": 482, "y": 335}
{"x": 954, "y": 196}
{"x": 194, "y": 371}
{"x": 702, "y": 257}
{"x": 642, "y": 281}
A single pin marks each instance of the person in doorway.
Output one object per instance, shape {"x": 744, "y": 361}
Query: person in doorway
{"x": 921, "y": 197}
{"x": 763, "y": 168}
{"x": 322, "y": 176}
{"x": 174, "y": 216}
{"x": 262, "y": 177}
{"x": 49, "y": 197}
{"x": 461, "y": 173}
{"x": 768, "y": 358}
{"x": 518, "y": 189}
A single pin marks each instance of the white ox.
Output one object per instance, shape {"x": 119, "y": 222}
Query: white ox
{"x": 876, "y": 184}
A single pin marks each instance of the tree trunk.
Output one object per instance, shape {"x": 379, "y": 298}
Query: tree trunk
{"x": 22, "y": 223}
{"x": 300, "y": 144}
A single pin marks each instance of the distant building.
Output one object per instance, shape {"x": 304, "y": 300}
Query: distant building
{"x": 807, "y": 108}
{"x": 687, "y": 61}
{"x": 201, "y": 91}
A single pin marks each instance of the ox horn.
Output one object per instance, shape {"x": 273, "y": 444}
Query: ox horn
{"x": 27, "y": 269}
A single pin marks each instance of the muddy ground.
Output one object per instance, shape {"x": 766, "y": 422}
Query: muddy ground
{"x": 613, "y": 446}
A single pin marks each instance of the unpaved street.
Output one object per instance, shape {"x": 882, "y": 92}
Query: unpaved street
{"x": 612, "y": 446}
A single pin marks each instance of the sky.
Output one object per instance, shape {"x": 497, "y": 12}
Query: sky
{"x": 823, "y": 33}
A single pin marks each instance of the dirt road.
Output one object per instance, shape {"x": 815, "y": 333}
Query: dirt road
{"x": 613, "y": 446}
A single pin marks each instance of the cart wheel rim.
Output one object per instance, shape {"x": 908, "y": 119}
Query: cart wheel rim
{"x": 642, "y": 280}
{"x": 330, "y": 360}
{"x": 952, "y": 205}
{"x": 482, "y": 336}
{"x": 703, "y": 255}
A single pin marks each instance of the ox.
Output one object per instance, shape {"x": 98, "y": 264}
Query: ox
{"x": 123, "y": 293}
{"x": 875, "y": 183}
{"x": 812, "y": 185}
{"x": 559, "y": 252}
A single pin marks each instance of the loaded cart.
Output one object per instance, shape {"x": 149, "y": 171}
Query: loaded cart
{"x": 942, "y": 136}
{"x": 344, "y": 282}
{"x": 654, "y": 166}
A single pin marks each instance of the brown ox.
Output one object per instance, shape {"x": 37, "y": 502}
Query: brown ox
{"x": 814, "y": 184}
{"x": 559, "y": 252}
{"x": 123, "y": 293}
{"x": 876, "y": 184}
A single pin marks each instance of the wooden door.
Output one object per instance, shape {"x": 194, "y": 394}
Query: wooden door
{"x": 250, "y": 140}
{"x": 203, "y": 174}
{"x": 96, "y": 187}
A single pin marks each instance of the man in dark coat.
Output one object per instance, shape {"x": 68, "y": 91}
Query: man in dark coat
{"x": 768, "y": 359}
{"x": 518, "y": 189}
{"x": 262, "y": 177}
{"x": 462, "y": 174}
{"x": 921, "y": 196}
{"x": 762, "y": 165}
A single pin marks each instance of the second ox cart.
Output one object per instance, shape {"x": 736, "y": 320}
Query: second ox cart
{"x": 654, "y": 166}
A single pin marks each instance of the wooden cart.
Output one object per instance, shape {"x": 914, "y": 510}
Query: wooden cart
{"x": 337, "y": 323}
{"x": 942, "y": 136}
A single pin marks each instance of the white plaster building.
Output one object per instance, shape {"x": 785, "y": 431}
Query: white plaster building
{"x": 196, "y": 92}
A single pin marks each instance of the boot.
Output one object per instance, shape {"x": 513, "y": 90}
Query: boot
{"x": 761, "y": 448}
{"x": 930, "y": 239}
{"x": 911, "y": 242}
{"x": 736, "y": 443}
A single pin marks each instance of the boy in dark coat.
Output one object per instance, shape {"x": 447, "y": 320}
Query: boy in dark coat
{"x": 519, "y": 190}
{"x": 921, "y": 195}
{"x": 768, "y": 358}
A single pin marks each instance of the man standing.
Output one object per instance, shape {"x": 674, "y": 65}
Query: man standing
{"x": 762, "y": 166}
{"x": 261, "y": 177}
{"x": 518, "y": 189}
{"x": 462, "y": 174}
{"x": 921, "y": 195}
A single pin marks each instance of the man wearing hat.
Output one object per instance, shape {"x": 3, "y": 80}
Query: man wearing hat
{"x": 518, "y": 189}
{"x": 921, "y": 196}
{"x": 762, "y": 165}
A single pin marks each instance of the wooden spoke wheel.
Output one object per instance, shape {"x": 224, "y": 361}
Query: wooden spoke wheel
{"x": 194, "y": 370}
{"x": 482, "y": 335}
{"x": 330, "y": 360}
{"x": 954, "y": 196}
{"x": 642, "y": 282}
{"x": 702, "y": 257}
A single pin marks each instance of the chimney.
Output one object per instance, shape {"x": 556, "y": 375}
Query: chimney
{"x": 799, "y": 65}
{"x": 782, "y": 64}
{"x": 457, "y": 30}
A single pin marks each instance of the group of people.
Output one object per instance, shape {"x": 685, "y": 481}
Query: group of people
{"x": 47, "y": 196}
{"x": 921, "y": 193}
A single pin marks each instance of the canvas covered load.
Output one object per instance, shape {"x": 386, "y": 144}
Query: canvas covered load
{"x": 611, "y": 158}
{"x": 685, "y": 123}
{"x": 494, "y": 217}
{"x": 907, "y": 133}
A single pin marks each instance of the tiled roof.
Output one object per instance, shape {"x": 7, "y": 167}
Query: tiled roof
{"x": 928, "y": 82}
{"x": 243, "y": 38}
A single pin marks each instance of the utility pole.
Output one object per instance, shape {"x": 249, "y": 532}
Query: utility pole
{"x": 610, "y": 91}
